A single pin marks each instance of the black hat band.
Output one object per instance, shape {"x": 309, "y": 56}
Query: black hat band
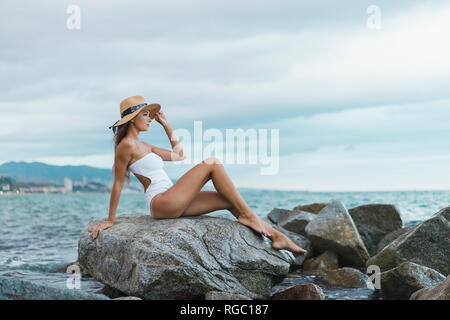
{"x": 128, "y": 111}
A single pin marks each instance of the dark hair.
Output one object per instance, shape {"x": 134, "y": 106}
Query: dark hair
{"x": 119, "y": 133}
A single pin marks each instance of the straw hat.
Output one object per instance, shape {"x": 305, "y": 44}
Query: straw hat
{"x": 131, "y": 106}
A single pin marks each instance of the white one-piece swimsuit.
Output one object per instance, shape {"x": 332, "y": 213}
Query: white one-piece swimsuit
{"x": 151, "y": 166}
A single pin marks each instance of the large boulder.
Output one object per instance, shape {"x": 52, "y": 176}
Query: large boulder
{"x": 402, "y": 281}
{"x": 297, "y": 221}
{"x": 440, "y": 291}
{"x": 333, "y": 229}
{"x": 218, "y": 295}
{"x": 374, "y": 221}
{"x": 391, "y": 236}
{"x": 181, "y": 258}
{"x": 427, "y": 243}
{"x": 313, "y": 207}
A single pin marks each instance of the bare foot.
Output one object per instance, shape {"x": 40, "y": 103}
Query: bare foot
{"x": 281, "y": 242}
{"x": 255, "y": 223}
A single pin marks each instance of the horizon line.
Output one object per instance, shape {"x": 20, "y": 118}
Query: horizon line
{"x": 268, "y": 189}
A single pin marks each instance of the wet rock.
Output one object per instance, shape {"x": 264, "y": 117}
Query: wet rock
{"x": 387, "y": 239}
{"x": 427, "y": 244}
{"x": 313, "y": 207}
{"x": 181, "y": 258}
{"x": 18, "y": 289}
{"x": 333, "y": 229}
{"x": 218, "y": 295}
{"x": 327, "y": 261}
{"x": 440, "y": 291}
{"x": 296, "y": 221}
{"x": 276, "y": 214}
{"x": 347, "y": 278}
{"x": 308, "y": 291}
{"x": 402, "y": 281}
{"x": 374, "y": 221}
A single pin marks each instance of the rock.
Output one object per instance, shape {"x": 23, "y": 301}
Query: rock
{"x": 440, "y": 291}
{"x": 402, "y": 281}
{"x": 276, "y": 214}
{"x": 347, "y": 278}
{"x": 18, "y": 289}
{"x": 181, "y": 258}
{"x": 299, "y": 240}
{"x": 327, "y": 261}
{"x": 412, "y": 223}
{"x": 333, "y": 229}
{"x": 217, "y": 295}
{"x": 374, "y": 221}
{"x": 307, "y": 291}
{"x": 387, "y": 239}
{"x": 127, "y": 298}
{"x": 427, "y": 244}
{"x": 296, "y": 221}
{"x": 313, "y": 207}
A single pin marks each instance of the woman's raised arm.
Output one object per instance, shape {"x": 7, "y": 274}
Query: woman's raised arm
{"x": 177, "y": 154}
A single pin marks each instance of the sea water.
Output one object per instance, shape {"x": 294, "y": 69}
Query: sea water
{"x": 39, "y": 233}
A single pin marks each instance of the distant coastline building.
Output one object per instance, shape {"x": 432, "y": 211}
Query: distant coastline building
{"x": 9, "y": 186}
{"x": 5, "y": 184}
{"x": 68, "y": 184}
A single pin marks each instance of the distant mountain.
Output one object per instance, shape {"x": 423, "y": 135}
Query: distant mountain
{"x": 40, "y": 172}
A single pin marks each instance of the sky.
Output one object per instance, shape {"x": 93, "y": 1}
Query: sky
{"x": 357, "y": 108}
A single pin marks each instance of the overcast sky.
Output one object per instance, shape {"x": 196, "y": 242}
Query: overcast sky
{"x": 356, "y": 108}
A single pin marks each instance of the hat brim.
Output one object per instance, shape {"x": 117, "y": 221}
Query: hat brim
{"x": 153, "y": 108}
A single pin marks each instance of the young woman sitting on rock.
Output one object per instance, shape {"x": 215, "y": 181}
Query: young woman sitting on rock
{"x": 185, "y": 197}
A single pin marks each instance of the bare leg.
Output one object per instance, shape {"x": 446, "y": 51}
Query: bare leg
{"x": 183, "y": 198}
{"x": 174, "y": 202}
{"x": 240, "y": 209}
{"x": 208, "y": 201}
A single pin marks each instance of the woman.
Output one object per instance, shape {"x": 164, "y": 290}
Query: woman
{"x": 185, "y": 197}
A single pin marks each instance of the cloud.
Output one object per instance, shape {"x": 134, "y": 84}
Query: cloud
{"x": 311, "y": 69}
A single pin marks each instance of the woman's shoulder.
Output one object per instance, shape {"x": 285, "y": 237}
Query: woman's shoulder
{"x": 125, "y": 144}
{"x": 133, "y": 147}
{"x": 125, "y": 148}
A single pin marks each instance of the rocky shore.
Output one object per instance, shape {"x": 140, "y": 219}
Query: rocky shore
{"x": 366, "y": 248}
